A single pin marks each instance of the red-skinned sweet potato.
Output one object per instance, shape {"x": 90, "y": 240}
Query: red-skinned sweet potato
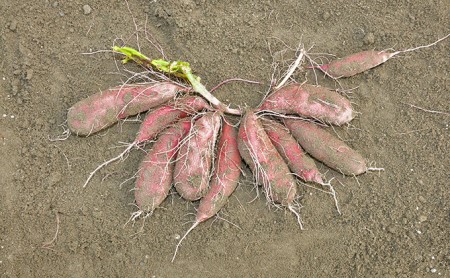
{"x": 310, "y": 101}
{"x": 355, "y": 63}
{"x": 298, "y": 161}
{"x": 224, "y": 180}
{"x": 161, "y": 117}
{"x": 103, "y": 109}
{"x": 326, "y": 147}
{"x": 267, "y": 165}
{"x": 156, "y": 121}
{"x": 156, "y": 170}
{"x": 195, "y": 157}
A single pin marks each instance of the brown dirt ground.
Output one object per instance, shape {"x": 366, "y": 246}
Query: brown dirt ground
{"x": 394, "y": 224}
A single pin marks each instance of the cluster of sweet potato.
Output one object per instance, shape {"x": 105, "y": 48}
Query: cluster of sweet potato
{"x": 199, "y": 151}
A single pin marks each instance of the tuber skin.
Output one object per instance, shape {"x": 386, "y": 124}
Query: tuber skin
{"x": 195, "y": 157}
{"x": 266, "y": 163}
{"x": 224, "y": 179}
{"x": 103, "y": 109}
{"x": 156, "y": 170}
{"x": 326, "y": 147}
{"x": 227, "y": 170}
{"x": 356, "y": 63}
{"x": 298, "y": 161}
{"x": 158, "y": 119}
{"x": 310, "y": 101}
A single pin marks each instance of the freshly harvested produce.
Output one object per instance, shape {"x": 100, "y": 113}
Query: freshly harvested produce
{"x": 362, "y": 61}
{"x": 103, "y": 109}
{"x": 326, "y": 148}
{"x": 161, "y": 117}
{"x": 225, "y": 178}
{"x": 298, "y": 161}
{"x": 227, "y": 169}
{"x": 310, "y": 101}
{"x": 156, "y": 121}
{"x": 355, "y": 63}
{"x": 156, "y": 170}
{"x": 195, "y": 157}
{"x": 186, "y": 156}
{"x": 266, "y": 163}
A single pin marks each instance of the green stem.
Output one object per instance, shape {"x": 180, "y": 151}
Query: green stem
{"x": 177, "y": 68}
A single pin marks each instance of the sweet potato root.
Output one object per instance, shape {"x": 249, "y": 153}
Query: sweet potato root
{"x": 226, "y": 174}
{"x": 327, "y": 148}
{"x": 156, "y": 121}
{"x": 156, "y": 171}
{"x": 298, "y": 161}
{"x": 161, "y": 117}
{"x": 355, "y": 63}
{"x": 193, "y": 166}
{"x": 310, "y": 101}
{"x": 103, "y": 109}
{"x": 267, "y": 165}
{"x": 224, "y": 180}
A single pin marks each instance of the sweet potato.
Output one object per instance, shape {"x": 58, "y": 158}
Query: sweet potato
{"x": 156, "y": 170}
{"x": 193, "y": 166}
{"x": 226, "y": 174}
{"x": 298, "y": 161}
{"x": 355, "y": 63}
{"x": 224, "y": 179}
{"x": 365, "y": 60}
{"x": 105, "y": 108}
{"x": 327, "y": 148}
{"x": 161, "y": 117}
{"x": 310, "y": 101}
{"x": 267, "y": 165}
{"x": 156, "y": 121}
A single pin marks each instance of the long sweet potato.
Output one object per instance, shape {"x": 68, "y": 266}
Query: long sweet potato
{"x": 103, "y": 109}
{"x": 224, "y": 179}
{"x": 327, "y": 148}
{"x": 156, "y": 121}
{"x": 156, "y": 171}
{"x": 355, "y": 63}
{"x": 298, "y": 161}
{"x": 310, "y": 101}
{"x": 193, "y": 166}
{"x": 161, "y": 117}
{"x": 267, "y": 165}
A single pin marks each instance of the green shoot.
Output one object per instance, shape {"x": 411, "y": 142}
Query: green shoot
{"x": 179, "y": 69}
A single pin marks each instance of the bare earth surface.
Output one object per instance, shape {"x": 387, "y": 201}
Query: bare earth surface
{"x": 395, "y": 223}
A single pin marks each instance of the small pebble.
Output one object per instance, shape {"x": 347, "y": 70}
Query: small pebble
{"x": 422, "y": 218}
{"x": 29, "y": 74}
{"x": 55, "y": 4}
{"x": 54, "y": 178}
{"x": 87, "y": 9}
{"x": 422, "y": 199}
{"x": 13, "y": 25}
{"x": 369, "y": 38}
{"x": 391, "y": 229}
{"x": 326, "y": 15}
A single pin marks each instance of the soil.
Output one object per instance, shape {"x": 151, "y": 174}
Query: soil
{"x": 394, "y": 223}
